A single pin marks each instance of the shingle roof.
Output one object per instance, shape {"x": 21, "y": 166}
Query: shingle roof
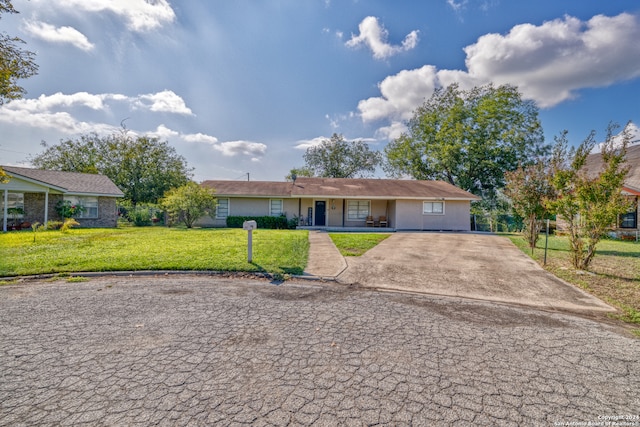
{"x": 250, "y": 188}
{"x": 594, "y": 164}
{"x": 342, "y": 187}
{"x": 71, "y": 182}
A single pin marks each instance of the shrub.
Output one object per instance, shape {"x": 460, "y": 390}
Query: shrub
{"x": 140, "y": 215}
{"x": 188, "y": 203}
{"x": 68, "y": 223}
{"x": 54, "y": 225}
{"x": 68, "y": 210}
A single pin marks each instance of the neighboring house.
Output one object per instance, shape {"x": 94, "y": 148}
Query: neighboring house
{"x": 628, "y": 223}
{"x": 342, "y": 202}
{"x": 36, "y": 192}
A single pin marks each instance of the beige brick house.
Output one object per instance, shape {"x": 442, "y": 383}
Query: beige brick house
{"x": 35, "y": 193}
{"x": 347, "y": 203}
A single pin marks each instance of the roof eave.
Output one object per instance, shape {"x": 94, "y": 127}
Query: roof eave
{"x": 36, "y": 181}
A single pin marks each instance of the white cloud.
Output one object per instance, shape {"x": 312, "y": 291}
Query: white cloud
{"x": 163, "y": 132}
{"x": 254, "y": 150}
{"x": 457, "y": 5}
{"x": 200, "y": 137}
{"x": 634, "y": 138}
{"x": 52, "y": 34}
{"x": 164, "y": 102}
{"x": 51, "y": 111}
{"x": 245, "y": 148}
{"x": 304, "y": 144}
{"x": 549, "y": 63}
{"x": 140, "y": 15}
{"x": 401, "y": 94}
{"x": 60, "y": 121}
{"x": 391, "y": 132}
{"x": 374, "y": 35}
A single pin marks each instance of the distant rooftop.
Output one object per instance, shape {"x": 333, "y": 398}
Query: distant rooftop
{"x": 71, "y": 182}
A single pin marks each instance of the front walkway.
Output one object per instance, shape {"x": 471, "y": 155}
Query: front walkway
{"x": 325, "y": 261}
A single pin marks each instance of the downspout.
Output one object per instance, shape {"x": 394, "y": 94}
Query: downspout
{"x": 5, "y": 209}
{"x": 343, "y": 205}
{"x": 46, "y": 208}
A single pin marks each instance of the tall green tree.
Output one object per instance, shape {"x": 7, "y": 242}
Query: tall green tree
{"x": 338, "y": 158}
{"x": 529, "y": 188}
{"x": 15, "y": 62}
{"x": 143, "y": 168}
{"x": 468, "y": 138}
{"x": 188, "y": 203}
{"x": 589, "y": 200}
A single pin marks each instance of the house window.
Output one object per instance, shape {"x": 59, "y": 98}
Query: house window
{"x": 275, "y": 207}
{"x": 629, "y": 220}
{"x": 222, "y": 209}
{"x": 90, "y": 205}
{"x": 15, "y": 205}
{"x": 358, "y": 209}
{"x": 433, "y": 208}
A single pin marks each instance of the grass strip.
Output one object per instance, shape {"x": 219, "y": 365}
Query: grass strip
{"x": 614, "y": 275}
{"x": 356, "y": 244}
{"x": 152, "y": 248}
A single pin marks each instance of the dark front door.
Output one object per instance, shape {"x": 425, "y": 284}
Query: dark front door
{"x": 321, "y": 209}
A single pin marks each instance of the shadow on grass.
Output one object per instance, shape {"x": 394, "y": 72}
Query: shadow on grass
{"x": 630, "y": 254}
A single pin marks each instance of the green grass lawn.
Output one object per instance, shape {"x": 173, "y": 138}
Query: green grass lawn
{"x": 152, "y": 248}
{"x": 355, "y": 244}
{"x": 614, "y": 275}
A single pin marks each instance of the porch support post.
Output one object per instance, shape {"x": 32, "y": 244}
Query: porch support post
{"x": 5, "y": 208}
{"x": 46, "y": 207}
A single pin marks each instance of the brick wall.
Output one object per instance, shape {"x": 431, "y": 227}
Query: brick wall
{"x": 34, "y": 210}
{"x": 34, "y": 207}
{"x": 107, "y": 214}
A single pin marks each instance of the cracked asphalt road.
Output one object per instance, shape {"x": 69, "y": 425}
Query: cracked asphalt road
{"x": 199, "y": 350}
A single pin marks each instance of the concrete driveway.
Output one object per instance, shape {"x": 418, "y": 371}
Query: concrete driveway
{"x": 479, "y": 266}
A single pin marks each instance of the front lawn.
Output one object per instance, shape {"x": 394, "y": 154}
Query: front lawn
{"x": 614, "y": 275}
{"x": 355, "y": 244}
{"x": 152, "y": 248}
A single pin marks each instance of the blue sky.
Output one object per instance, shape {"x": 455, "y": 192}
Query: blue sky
{"x": 245, "y": 86}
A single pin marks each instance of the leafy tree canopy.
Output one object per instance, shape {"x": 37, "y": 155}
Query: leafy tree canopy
{"x": 298, "y": 172}
{"x": 529, "y": 189}
{"x": 15, "y": 63}
{"x": 338, "y": 158}
{"x": 143, "y": 168}
{"x": 468, "y": 138}
{"x": 589, "y": 201}
{"x": 188, "y": 203}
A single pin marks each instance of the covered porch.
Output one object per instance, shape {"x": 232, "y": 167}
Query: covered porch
{"x": 346, "y": 214}
{"x": 24, "y": 203}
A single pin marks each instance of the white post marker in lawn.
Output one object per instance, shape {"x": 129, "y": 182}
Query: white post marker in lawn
{"x": 249, "y": 226}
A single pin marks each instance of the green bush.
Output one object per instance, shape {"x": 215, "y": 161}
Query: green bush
{"x": 264, "y": 222}
{"x": 140, "y": 215}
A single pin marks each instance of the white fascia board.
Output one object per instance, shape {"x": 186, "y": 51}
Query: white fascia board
{"x": 31, "y": 181}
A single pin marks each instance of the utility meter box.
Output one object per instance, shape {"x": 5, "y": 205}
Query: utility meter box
{"x": 249, "y": 225}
